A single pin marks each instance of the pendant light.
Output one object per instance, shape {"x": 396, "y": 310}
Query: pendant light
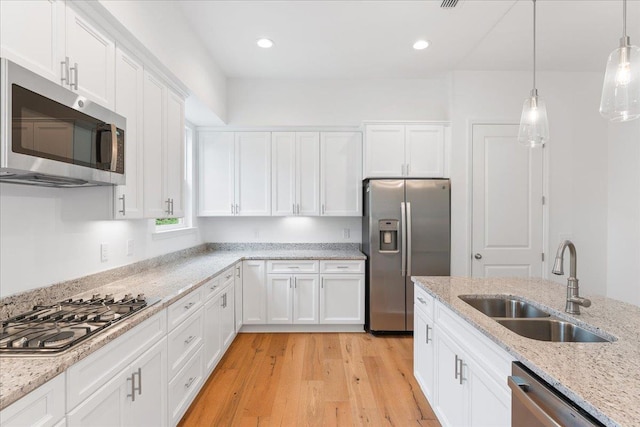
{"x": 620, "y": 100}
{"x": 534, "y": 127}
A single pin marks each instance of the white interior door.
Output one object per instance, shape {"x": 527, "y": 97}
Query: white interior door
{"x": 507, "y": 204}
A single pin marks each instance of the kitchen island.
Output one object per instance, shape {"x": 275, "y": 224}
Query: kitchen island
{"x": 601, "y": 378}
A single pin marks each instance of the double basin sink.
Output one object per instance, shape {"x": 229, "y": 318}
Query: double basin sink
{"x": 529, "y": 321}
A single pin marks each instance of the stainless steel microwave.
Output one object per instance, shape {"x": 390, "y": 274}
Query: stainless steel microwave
{"x": 52, "y": 136}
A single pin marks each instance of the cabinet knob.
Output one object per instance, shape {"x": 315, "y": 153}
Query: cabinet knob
{"x": 478, "y": 256}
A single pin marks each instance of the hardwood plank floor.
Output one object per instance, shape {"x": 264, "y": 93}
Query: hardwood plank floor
{"x": 313, "y": 380}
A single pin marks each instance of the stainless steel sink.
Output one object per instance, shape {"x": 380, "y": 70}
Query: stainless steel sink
{"x": 550, "y": 330}
{"x": 503, "y": 306}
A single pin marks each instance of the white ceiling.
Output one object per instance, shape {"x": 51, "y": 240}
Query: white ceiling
{"x": 373, "y": 39}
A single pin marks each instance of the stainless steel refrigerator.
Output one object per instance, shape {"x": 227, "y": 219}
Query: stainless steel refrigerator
{"x": 406, "y": 232}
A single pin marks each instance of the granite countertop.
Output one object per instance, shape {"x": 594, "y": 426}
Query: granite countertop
{"x": 602, "y": 378}
{"x": 168, "y": 281}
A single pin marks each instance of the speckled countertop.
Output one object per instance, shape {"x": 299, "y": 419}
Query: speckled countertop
{"x": 168, "y": 281}
{"x": 602, "y": 378}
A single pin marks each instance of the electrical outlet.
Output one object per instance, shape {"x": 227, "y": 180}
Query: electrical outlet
{"x": 104, "y": 252}
{"x": 129, "y": 247}
{"x": 256, "y": 233}
{"x": 346, "y": 233}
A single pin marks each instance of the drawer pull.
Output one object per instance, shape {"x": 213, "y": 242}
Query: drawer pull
{"x": 188, "y": 384}
{"x": 293, "y": 266}
{"x": 188, "y": 340}
{"x": 342, "y": 266}
{"x": 214, "y": 287}
{"x": 422, "y": 301}
{"x": 228, "y": 276}
{"x": 188, "y": 306}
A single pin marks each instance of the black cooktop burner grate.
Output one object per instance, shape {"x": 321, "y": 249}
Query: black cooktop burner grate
{"x": 55, "y": 328}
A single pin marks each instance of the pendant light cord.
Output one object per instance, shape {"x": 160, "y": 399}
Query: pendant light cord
{"x": 624, "y": 19}
{"x": 534, "y": 45}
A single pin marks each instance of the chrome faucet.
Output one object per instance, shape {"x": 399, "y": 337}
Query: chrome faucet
{"x": 574, "y": 301}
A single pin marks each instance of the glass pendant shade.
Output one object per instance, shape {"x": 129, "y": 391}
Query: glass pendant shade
{"x": 620, "y": 100}
{"x": 534, "y": 126}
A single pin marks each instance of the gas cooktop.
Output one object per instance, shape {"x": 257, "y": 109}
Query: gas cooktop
{"x": 58, "y": 327}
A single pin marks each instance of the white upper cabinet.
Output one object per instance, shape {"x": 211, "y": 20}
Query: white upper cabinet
{"x": 253, "y": 174}
{"x": 295, "y": 173}
{"x": 91, "y": 56}
{"x": 409, "y": 151}
{"x": 163, "y": 150}
{"x": 341, "y": 174}
{"x": 129, "y": 103}
{"x": 216, "y": 172}
{"x": 58, "y": 43}
{"x": 43, "y": 50}
{"x": 234, "y": 173}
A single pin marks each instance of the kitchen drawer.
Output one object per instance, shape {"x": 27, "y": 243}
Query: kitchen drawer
{"x": 42, "y": 407}
{"x": 181, "y": 309}
{"x": 212, "y": 287}
{"x": 184, "y": 387}
{"x": 89, "y": 374}
{"x": 341, "y": 266}
{"x": 423, "y": 301}
{"x": 292, "y": 267}
{"x": 184, "y": 341}
{"x": 227, "y": 277}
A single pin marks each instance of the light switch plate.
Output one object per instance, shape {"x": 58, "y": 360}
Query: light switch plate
{"x": 129, "y": 247}
{"x": 104, "y": 252}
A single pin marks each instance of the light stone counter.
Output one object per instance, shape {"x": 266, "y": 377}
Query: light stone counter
{"x": 602, "y": 378}
{"x": 169, "y": 281}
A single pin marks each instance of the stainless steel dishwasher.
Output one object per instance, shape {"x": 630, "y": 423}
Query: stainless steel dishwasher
{"x": 534, "y": 403}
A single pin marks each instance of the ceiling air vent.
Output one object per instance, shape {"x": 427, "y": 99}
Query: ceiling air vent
{"x": 449, "y": 3}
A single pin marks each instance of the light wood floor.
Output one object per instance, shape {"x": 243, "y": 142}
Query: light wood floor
{"x": 313, "y": 380}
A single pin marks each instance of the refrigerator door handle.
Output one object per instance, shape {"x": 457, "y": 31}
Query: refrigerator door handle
{"x": 408, "y": 239}
{"x": 403, "y": 218}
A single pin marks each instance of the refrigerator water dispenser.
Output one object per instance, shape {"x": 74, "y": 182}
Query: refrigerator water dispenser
{"x": 388, "y": 235}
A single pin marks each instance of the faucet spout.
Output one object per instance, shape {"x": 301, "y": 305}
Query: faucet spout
{"x": 574, "y": 301}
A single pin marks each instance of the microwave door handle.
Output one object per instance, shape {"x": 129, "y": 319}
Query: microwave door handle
{"x": 114, "y": 148}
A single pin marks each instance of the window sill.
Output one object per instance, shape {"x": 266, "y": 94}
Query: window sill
{"x": 176, "y": 232}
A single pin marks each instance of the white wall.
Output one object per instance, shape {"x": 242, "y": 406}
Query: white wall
{"x": 281, "y": 229}
{"x": 335, "y": 102}
{"x": 576, "y": 160}
{"x": 162, "y": 28}
{"x": 51, "y": 235}
{"x": 623, "y": 281}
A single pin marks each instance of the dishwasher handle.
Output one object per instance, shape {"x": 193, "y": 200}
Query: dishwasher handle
{"x": 519, "y": 388}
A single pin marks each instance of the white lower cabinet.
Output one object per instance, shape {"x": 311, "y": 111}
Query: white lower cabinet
{"x": 132, "y": 397}
{"x": 184, "y": 387}
{"x": 254, "y": 295}
{"x": 292, "y": 299}
{"x": 42, "y": 407}
{"x": 462, "y": 373}
{"x": 238, "y": 295}
{"x": 227, "y": 316}
{"x": 342, "y": 298}
{"x": 212, "y": 350}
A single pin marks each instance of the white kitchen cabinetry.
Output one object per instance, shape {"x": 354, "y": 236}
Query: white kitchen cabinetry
{"x": 423, "y": 342}
{"x": 292, "y": 299}
{"x": 254, "y": 293}
{"x": 238, "y": 295}
{"x": 234, "y": 173}
{"x": 62, "y": 45}
{"x": 406, "y": 151}
{"x": 91, "y": 55}
{"x": 212, "y": 350}
{"x": 295, "y": 173}
{"x": 42, "y": 407}
{"x": 461, "y": 372}
{"x": 43, "y": 49}
{"x": 341, "y": 174}
{"x": 163, "y": 137}
{"x": 124, "y": 381}
{"x": 227, "y": 316}
{"x": 129, "y": 103}
{"x": 341, "y": 294}
{"x": 184, "y": 387}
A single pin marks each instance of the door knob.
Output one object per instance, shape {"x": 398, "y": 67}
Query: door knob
{"x": 478, "y": 256}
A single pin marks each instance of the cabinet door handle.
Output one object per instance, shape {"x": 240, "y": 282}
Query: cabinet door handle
{"x": 428, "y": 339}
{"x": 238, "y": 271}
{"x": 133, "y": 387}
{"x": 168, "y": 202}
{"x": 408, "y": 169}
{"x": 237, "y": 209}
{"x": 139, "y": 380}
{"x": 421, "y": 300}
{"x": 124, "y": 210}
{"x": 459, "y": 374}
{"x": 188, "y": 306}
{"x": 456, "y": 367}
{"x": 188, "y": 383}
{"x": 64, "y": 71}
{"x": 323, "y": 209}
{"x": 188, "y": 340}
{"x": 295, "y": 282}
{"x": 74, "y": 84}
{"x": 298, "y": 208}
{"x": 232, "y": 212}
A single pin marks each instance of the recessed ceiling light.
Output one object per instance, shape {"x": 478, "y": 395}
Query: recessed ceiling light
{"x": 265, "y": 43}
{"x": 421, "y": 44}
